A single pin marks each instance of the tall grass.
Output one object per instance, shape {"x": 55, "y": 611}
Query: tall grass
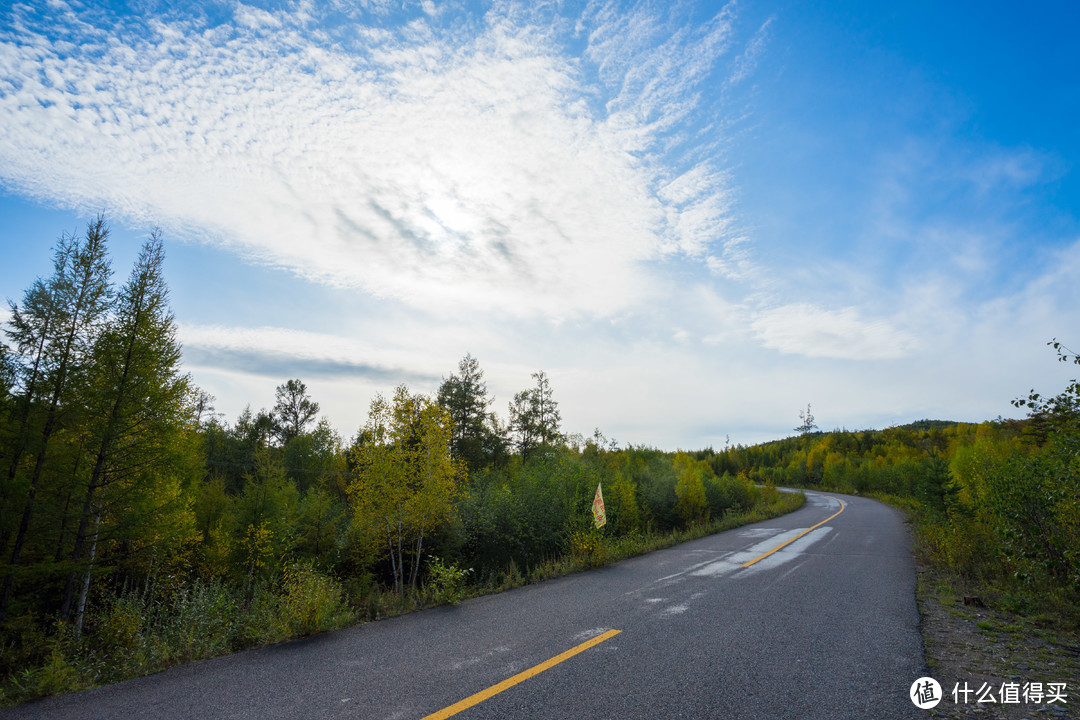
{"x": 144, "y": 630}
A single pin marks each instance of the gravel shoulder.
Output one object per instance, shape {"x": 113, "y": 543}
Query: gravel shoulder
{"x": 966, "y": 642}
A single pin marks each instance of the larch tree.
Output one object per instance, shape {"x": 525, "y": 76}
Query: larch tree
{"x": 53, "y": 332}
{"x": 139, "y": 402}
{"x": 808, "y": 424}
{"x": 465, "y": 397}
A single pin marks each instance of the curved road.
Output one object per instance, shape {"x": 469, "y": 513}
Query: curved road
{"x": 825, "y": 627}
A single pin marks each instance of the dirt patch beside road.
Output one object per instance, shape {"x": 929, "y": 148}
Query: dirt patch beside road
{"x": 987, "y": 649}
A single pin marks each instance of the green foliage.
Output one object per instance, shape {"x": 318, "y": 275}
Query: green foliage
{"x": 691, "y": 505}
{"x": 535, "y": 417}
{"x": 311, "y": 601}
{"x": 477, "y": 438}
{"x": 520, "y": 512}
{"x": 140, "y": 631}
{"x": 264, "y": 519}
{"x": 447, "y": 581}
{"x": 623, "y": 511}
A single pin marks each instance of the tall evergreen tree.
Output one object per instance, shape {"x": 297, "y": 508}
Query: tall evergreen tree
{"x": 138, "y": 401}
{"x": 53, "y": 332}
{"x": 465, "y": 396}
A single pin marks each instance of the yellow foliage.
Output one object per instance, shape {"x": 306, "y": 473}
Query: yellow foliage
{"x": 259, "y": 544}
{"x": 406, "y": 480}
{"x": 691, "y": 505}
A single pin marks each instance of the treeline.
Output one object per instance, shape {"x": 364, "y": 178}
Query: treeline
{"x": 996, "y": 504}
{"x": 138, "y": 528}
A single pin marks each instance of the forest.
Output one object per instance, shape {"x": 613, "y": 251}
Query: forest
{"x": 140, "y": 529}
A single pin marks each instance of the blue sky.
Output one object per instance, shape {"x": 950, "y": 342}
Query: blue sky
{"x": 696, "y": 218}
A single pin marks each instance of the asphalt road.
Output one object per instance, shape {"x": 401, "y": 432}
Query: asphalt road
{"x": 826, "y": 627}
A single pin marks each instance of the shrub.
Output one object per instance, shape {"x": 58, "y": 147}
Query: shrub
{"x": 447, "y": 581}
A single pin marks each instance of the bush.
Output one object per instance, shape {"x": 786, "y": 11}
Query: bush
{"x": 311, "y": 602}
{"x": 447, "y": 581}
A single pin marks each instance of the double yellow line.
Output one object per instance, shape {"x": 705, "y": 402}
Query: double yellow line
{"x": 783, "y": 545}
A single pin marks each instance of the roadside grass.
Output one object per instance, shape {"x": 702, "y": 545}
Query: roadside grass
{"x": 140, "y": 632}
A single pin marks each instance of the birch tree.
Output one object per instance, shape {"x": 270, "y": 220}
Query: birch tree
{"x": 405, "y": 479}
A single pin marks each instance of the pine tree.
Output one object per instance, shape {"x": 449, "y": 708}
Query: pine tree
{"x": 293, "y": 410}
{"x": 808, "y": 425}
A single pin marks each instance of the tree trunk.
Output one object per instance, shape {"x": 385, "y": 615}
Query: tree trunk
{"x": 416, "y": 561}
{"x": 63, "y": 528}
{"x": 393, "y": 557}
{"x": 77, "y": 553}
{"x": 400, "y": 574}
{"x": 81, "y": 611}
{"x": 97, "y": 479}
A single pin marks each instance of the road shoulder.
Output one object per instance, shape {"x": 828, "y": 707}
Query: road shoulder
{"x": 973, "y": 644}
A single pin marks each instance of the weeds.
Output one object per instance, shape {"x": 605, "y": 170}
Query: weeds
{"x": 137, "y": 632}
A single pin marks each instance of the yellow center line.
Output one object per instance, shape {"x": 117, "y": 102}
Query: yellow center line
{"x": 788, "y": 542}
{"x": 520, "y": 677}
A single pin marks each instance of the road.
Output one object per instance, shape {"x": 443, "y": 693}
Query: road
{"x": 826, "y": 627}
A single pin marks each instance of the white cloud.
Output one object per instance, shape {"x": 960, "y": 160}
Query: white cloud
{"x": 747, "y": 61}
{"x": 440, "y": 165}
{"x": 805, "y": 329}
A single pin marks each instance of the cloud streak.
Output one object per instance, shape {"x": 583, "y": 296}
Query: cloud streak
{"x": 278, "y": 352}
{"x": 474, "y": 161}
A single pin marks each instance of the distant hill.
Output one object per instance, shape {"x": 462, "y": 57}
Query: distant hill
{"x": 928, "y": 425}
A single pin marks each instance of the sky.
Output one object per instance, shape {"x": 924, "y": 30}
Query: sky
{"x": 697, "y": 218}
